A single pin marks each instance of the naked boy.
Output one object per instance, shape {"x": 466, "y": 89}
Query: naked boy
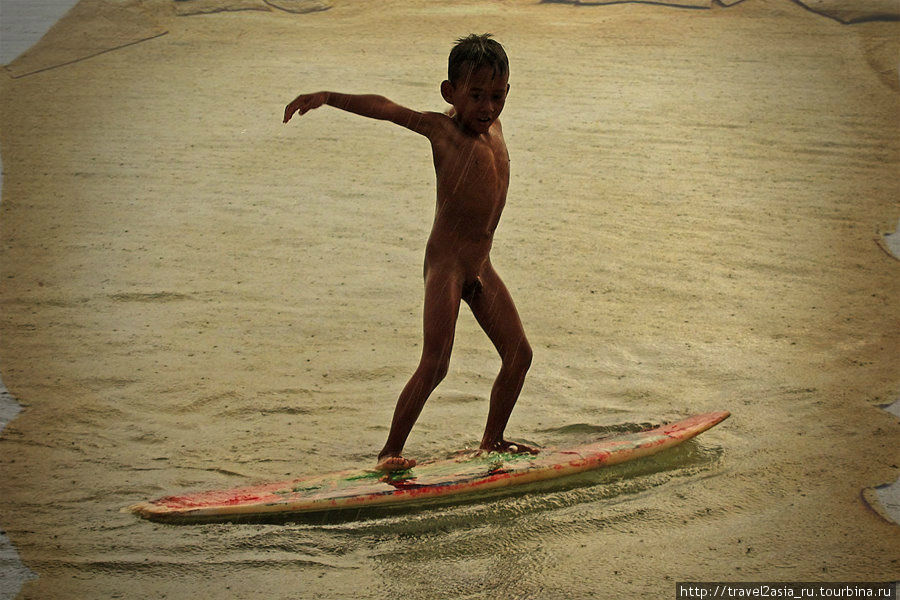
{"x": 472, "y": 168}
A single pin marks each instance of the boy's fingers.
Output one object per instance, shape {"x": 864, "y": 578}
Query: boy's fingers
{"x": 300, "y": 107}
{"x": 290, "y": 110}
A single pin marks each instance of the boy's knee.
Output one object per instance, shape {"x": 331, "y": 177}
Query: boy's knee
{"x": 520, "y": 360}
{"x": 527, "y": 356}
{"x": 436, "y": 368}
{"x": 440, "y": 372}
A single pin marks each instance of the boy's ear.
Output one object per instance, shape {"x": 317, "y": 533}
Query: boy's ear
{"x": 447, "y": 91}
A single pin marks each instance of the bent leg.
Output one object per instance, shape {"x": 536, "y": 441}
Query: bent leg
{"x": 495, "y": 311}
{"x": 442, "y": 297}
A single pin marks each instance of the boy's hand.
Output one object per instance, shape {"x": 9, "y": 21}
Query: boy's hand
{"x": 303, "y": 104}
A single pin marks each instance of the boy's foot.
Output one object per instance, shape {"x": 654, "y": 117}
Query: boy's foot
{"x": 389, "y": 464}
{"x": 510, "y": 447}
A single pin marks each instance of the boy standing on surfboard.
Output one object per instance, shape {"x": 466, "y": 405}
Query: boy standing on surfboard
{"x": 472, "y": 168}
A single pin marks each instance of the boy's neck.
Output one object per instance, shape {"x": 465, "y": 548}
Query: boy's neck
{"x": 465, "y": 130}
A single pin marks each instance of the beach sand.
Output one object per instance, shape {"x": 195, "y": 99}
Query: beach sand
{"x": 196, "y": 296}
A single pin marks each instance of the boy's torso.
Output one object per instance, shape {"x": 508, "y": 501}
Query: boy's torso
{"x": 472, "y": 180}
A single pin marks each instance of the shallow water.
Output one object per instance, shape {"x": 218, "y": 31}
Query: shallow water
{"x": 201, "y": 298}
{"x": 438, "y": 550}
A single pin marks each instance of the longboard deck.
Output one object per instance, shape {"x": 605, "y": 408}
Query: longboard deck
{"x": 466, "y": 474}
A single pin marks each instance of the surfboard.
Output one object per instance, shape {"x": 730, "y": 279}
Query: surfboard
{"x": 465, "y": 474}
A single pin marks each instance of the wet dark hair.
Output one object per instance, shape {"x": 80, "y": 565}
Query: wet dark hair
{"x": 473, "y": 52}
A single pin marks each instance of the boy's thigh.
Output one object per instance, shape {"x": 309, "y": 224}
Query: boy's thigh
{"x": 496, "y": 313}
{"x": 442, "y": 298}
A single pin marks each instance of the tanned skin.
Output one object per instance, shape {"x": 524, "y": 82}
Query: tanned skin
{"x": 472, "y": 167}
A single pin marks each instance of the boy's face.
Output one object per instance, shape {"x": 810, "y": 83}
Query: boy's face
{"x": 478, "y": 98}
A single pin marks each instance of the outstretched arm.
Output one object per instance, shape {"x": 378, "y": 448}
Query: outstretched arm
{"x": 374, "y": 107}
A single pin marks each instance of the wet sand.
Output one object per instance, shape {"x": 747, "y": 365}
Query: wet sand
{"x": 197, "y": 296}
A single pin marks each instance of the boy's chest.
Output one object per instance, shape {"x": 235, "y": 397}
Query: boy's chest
{"x": 478, "y": 162}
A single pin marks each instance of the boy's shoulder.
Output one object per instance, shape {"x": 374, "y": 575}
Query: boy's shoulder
{"x": 444, "y": 121}
{"x": 440, "y": 128}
